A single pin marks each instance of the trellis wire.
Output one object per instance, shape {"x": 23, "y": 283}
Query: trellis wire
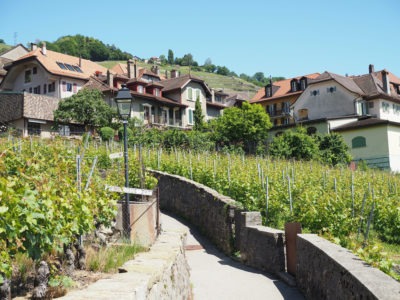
{"x": 91, "y": 173}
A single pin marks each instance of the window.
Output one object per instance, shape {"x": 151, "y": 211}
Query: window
{"x": 362, "y": 108}
{"x": 331, "y": 89}
{"x": 44, "y": 88}
{"x": 69, "y": 87}
{"x": 303, "y": 84}
{"x": 71, "y": 68}
{"x": 140, "y": 89}
{"x": 268, "y": 91}
{"x": 34, "y": 70}
{"x": 77, "y": 69}
{"x": 190, "y": 116}
{"x": 36, "y": 90}
{"x": 311, "y": 130}
{"x": 61, "y": 65}
{"x": 303, "y": 114}
{"x": 30, "y": 90}
{"x": 285, "y": 121}
{"x": 358, "y": 142}
{"x": 385, "y": 107}
{"x": 75, "y": 88}
{"x": 157, "y": 92}
{"x": 28, "y": 76}
{"x": 293, "y": 85}
{"x": 314, "y": 93}
{"x": 286, "y": 107}
{"x": 34, "y": 128}
{"x": 370, "y": 104}
{"x": 190, "y": 93}
{"x": 52, "y": 87}
{"x": 64, "y": 130}
{"x": 198, "y": 95}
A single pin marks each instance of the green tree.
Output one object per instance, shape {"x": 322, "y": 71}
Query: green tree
{"x": 170, "y": 57}
{"x": 222, "y": 70}
{"x": 86, "y": 107}
{"x": 245, "y": 127}
{"x": 198, "y": 116}
{"x": 294, "y": 144}
{"x": 333, "y": 149}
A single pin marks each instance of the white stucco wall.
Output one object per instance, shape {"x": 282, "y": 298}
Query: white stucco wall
{"x": 192, "y": 103}
{"x": 326, "y": 104}
{"x": 394, "y": 147}
{"x": 377, "y": 144}
{"x": 391, "y": 113}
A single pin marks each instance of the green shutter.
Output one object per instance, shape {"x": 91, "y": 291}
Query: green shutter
{"x": 190, "y": 116}
{"x": 141, "y": 109}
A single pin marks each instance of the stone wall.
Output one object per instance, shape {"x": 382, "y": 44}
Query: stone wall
{"x": 211, "y": 212}
{"x": 160, "y": 273}
{"x": 324, "y": 270}
{"x": 328, "y": 271}
{"x": 11, "y": 106}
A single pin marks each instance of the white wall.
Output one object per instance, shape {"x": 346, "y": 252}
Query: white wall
{"x": 394, "y": 147}
{"x": 326, "y": 104}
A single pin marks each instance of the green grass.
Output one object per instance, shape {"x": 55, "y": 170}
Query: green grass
{"x": 229, "y": 84}
{"x": 109, "y": 259}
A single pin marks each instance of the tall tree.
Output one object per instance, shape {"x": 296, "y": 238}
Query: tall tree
{"x": 245, "y": 127}
{"x": 86, "y": 107}
{"x": 198, "y": 116}
{"x": 171, "y": 59}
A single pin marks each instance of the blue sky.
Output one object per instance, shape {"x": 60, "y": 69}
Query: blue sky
{"x": 279, "y": 38}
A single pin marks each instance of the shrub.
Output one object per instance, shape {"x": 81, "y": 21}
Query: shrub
{"x": 106, "y": 133}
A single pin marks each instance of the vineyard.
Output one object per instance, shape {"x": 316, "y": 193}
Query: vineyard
{"x": 51, "y": 192}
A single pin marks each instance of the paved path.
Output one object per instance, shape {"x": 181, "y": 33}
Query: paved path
{"x": 216, "y": 276}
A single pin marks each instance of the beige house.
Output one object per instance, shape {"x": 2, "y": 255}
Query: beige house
{"x": 365, "y": 109}
{"x": 38, "y": 81}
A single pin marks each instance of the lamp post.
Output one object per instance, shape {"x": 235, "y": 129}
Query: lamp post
{"x": 124, "y": 106}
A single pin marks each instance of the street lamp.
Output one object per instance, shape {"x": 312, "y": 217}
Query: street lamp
{"x": 124, "y": 106}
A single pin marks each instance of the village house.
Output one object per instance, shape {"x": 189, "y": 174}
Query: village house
{"x": 277, "y": 97}
{"x": 36, "y": 82}
{"x": 365, "y": 109}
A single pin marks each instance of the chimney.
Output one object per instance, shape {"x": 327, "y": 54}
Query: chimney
{"x": 44, "y": 50}
{"x": 80, "y": 61}
{"x": 212, "y": 95}
{"x": 371, "y": 69}
{"x": 129, "y": 68}
{"x": 33, "y": 46}
{"x": 110, "y": 79}
{"x": 135, "y": 74}
{"x": 385, "y": 81}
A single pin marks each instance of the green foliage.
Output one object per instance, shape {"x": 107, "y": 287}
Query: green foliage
{"x": 333, "y": 149}
{"x": 88, "y": 48}
{"x": 294, "y": 144}
{"x": 243, "y": 127}
{"x": 198, "y": 116}
{"x": 86, "y": 107}
{"x": 129, "y": 133}
{"x": 170, "y": 57}
{"x": 106, "y": 133}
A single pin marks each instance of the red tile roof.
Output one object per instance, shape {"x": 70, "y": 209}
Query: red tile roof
{"x": 49, "y": 62}
{"x": 281, "y": 88}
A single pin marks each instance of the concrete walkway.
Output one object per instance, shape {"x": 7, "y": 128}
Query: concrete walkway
{"x": 216, "y": 276}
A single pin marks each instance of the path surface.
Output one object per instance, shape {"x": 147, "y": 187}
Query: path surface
{"x": 216, "y": 276}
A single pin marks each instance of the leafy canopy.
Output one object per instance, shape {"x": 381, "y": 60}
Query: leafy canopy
{"x": 245, "y": 127}
{"x": 86, "y": 107}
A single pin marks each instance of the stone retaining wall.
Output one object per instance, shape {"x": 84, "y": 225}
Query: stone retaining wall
{"x": 324, "y": 270}
{"x": 161, "y": 273}
{"x": 211, "y": 212}
{"x": 328, "y": 271}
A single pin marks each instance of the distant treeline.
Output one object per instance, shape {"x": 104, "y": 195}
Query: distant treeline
{"x": 88, "y": 48}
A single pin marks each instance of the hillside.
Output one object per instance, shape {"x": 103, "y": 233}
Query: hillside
{"x": 228, "y": 84}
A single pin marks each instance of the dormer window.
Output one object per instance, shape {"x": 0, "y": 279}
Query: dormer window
{"x": 293, "y": 85}
{"x": 303, "y": 83}
{"x": 268, "y": 91}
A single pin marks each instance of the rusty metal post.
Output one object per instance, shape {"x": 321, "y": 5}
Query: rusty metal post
{"x": 291, "y": 231}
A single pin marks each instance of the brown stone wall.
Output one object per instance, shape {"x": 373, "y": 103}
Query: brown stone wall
{"x": 328, "y": 271}
{"x": 11, "y": 106}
